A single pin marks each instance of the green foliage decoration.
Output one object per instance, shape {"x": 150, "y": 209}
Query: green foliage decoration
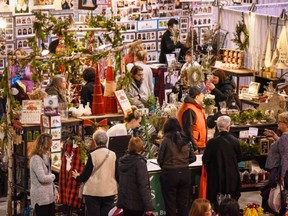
{"x": 241, "y": 31}
{"x": 249, "y": 149}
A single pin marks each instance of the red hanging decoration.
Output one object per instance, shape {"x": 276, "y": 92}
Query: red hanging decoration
{"x": 98, "y": 102}
{"x": 109, "y": 97}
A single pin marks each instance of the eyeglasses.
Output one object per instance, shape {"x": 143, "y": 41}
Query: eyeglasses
{"x": 140, "y": 75}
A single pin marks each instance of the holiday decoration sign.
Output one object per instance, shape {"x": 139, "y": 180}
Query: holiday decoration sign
{"x": 122, "y": 100}
{"x": 31, "y": 111}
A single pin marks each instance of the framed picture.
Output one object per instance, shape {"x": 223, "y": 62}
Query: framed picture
{"x": 87, "y": 4}
{"x": 147, "y": 25}
{"x": 152, "y": 57}
{"x": 45, "y": 4}
{"x": 56, "y": 146}
{"x": 21, "y": 7}
{"x": 24, "y": 20}
{"x": 264, "y": 146}
{"x": 9, "y": 48}
{"x": 67, "y": 5}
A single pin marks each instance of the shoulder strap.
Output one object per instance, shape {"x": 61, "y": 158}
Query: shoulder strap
{"x": 97, "y": 168}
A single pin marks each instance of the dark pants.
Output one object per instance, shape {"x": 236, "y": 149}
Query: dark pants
{"x": 132, "y": 213}
{"x": 175, "y": 184}
{"x": 98, "y": 206}
{"x": 45, "y": 210}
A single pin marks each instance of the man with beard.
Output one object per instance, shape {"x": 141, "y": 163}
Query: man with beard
{"x": 137, "y": 92}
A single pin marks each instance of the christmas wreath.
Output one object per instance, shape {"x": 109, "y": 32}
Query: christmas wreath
{"x": 194, "y": 75}
{"x": 241, "y": 37}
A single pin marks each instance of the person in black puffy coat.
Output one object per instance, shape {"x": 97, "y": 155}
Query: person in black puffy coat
{"x": 134, "y": 193}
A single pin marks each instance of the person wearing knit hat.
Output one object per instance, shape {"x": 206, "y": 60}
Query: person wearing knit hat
{"x": 192, "y": 118}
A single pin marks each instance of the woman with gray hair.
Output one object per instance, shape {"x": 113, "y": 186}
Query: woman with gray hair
{"x": 100, "y": 185}
{"x": 221, "y": 158}
{"x": 57, "y": 87}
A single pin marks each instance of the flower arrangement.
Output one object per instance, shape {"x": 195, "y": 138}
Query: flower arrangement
{"x": 209, "y": 100}
{"x": 253, "y": 210}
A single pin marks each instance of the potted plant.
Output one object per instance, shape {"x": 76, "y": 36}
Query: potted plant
{"x": 209, "y": 103}
{"x": 235, "y": 118}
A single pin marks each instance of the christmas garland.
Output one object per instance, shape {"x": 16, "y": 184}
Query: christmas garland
{"x": 241, "y": 29}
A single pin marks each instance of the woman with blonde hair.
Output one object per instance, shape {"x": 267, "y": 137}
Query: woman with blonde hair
{"x": 134, "y": 194}
{"x": 201, "y": 207}
{"x": 132, "y": 119}
{"x": 129, "y": 57}
{"x": 57, "y": 87}
{"x": 43, "y": 192}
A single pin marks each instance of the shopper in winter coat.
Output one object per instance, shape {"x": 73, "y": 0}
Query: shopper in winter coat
{"x": 134, "y": 194}
{"x": 221, "y": 86}
{"x": 43, "y": 192}
{"x": 57, "y": 87}
{"x": 88, "y": 89}
{"x": 221, "y": 158}
{"x": 174, "y": 156}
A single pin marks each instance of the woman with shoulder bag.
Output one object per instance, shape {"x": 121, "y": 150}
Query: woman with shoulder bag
{"x": 100, "y": 185}
{"x": 175, "y": 155}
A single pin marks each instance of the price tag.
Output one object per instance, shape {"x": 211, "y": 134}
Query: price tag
{"x": 253, "y": 131}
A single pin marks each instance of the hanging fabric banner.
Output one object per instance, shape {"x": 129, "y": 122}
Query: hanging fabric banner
{"x": 268, "y": 54}
{"x": 280, "y": 56}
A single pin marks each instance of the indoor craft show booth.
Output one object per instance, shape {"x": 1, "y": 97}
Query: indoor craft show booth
{"x": 114, "y": 55}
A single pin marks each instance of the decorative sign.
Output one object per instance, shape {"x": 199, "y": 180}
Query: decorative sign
{"x": 31, "y": 111}
{"x": 122, "y": 100}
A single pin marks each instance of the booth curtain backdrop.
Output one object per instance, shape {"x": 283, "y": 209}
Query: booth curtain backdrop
{"x": 257, "y": 25}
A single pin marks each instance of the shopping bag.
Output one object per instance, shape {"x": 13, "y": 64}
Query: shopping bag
{"x": 274, "y": 200}
{"x": 115, "y": 211}
{"x": 203, "y": 183}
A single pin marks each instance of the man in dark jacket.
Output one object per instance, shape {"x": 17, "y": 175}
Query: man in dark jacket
{"x": 167, "y": 44}
{"x": 221, "y": 158}
{"x": 88, "y": 89}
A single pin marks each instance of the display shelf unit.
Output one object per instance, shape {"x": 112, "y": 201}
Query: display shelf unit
{"x": 29, "y": 133}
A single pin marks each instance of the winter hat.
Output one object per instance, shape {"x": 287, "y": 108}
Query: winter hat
{"x": 194, "y": 91}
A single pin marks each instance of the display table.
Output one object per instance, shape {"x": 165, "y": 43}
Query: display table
{"x": 156, "y": 193}
{"x": 110, "y": 117}
{"x": 253, "y": 103}
{"x": 243, "y": 72}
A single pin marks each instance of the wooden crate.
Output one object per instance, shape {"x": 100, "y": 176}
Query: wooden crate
{"x": 228, "y": 56}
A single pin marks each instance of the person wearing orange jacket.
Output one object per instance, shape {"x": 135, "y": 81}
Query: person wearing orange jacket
{"x": 192, "y": 118}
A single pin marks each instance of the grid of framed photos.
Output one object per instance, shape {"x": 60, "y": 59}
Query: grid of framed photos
{"x": 150, "y": 23}
{"x": 24, "y": 30}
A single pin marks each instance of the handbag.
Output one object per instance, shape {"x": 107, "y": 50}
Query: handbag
{"x": 274, "y": 200}
{"x": 115, "y": 211}
{"x": 81, "y": 187}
